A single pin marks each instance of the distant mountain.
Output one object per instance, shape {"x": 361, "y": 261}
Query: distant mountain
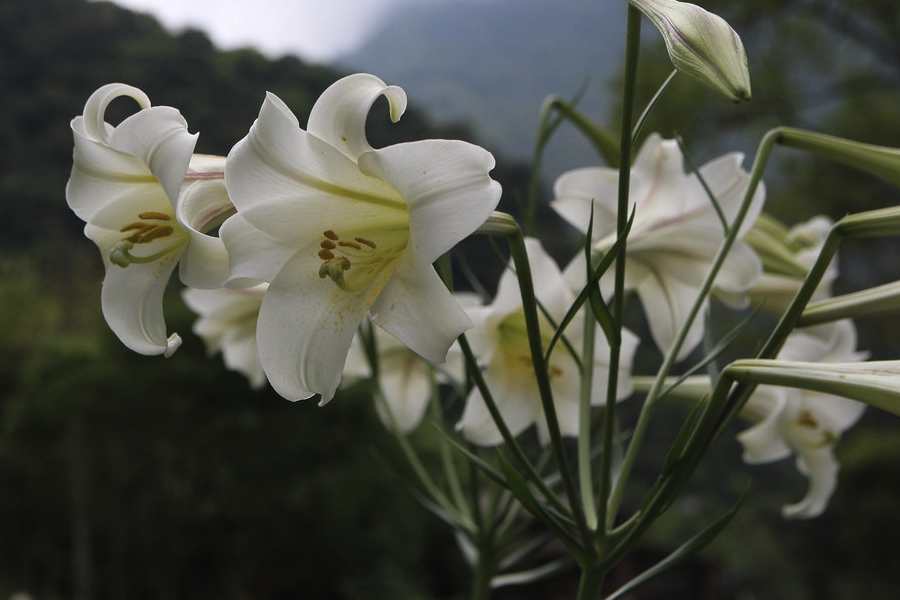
{"x": 56, "y": 52}
{"x": 492, "y": 64}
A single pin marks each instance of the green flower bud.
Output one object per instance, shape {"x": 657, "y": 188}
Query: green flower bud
{"x": 877, "y": 383}
{"x": 879, "y": 300}
{"x": 881, "y": 222}
{"x": 499, "y": 224}
{"x": 880, "y": 161}
{"x": 701, "y": 44}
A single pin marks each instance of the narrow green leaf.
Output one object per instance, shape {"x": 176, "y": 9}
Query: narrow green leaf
{"x": 603, "y": 141}
{"x": 682, "y": 553}
{"x": 523, "y": 494}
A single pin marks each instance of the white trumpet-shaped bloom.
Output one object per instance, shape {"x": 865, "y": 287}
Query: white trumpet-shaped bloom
{"x": 147, "y": 200}
{"x": 804, "y": 423}
{"x": 340, "y": 229}
{"x": 405, "y": 380}
{"x": 500, "y": 341}
{"x": 227, "y": 323}
{"x": 675, "y": 234}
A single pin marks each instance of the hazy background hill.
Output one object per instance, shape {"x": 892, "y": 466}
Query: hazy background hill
{"x": 493, "y": 63}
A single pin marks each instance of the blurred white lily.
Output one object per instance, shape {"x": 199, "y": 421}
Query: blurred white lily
{"x": 147, "y": 201}
{"x": 675, "y": 234}
{"x": 405, "y": 379}
{"x": 787, "y": 256}
{"x": 227, "y": 323}
{"x": 500, "y": 341}
{"x": 340, "y": 229}
{"x": 805, "y": 423}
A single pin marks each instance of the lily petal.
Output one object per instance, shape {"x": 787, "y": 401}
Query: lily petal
{"x": 158, "y": 137}
{"x": 445, "y": 184}
{"x": 253, "y": 255}
{"x": 517, "y": 400}
{"x": 306, "y": 325}
{"x": 420, "y": 312}
{"x": 667, "y": 302}
{"x": 228, "y": 323}
{"x": 822, "y": 469}
{"x": 405, "y": 381}
{"x": 765, "y": 441}
{"x": 339, "y": 115}
{"x": 279, "y": 176}
{"x": 132, "y": 299}
{"x": 205, "y": 263}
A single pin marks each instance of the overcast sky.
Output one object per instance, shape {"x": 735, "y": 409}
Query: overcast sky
{"x": 316, "y": 30}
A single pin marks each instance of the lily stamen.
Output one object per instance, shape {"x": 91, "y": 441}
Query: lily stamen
{"x": 361, "y": 254}
{"x": 121, "y": 255}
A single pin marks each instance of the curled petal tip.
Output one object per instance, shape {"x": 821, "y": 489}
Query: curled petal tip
{"x": 172, "y": 344}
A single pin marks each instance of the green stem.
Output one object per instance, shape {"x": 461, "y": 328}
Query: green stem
{"x": 483, "y": 572}
{"x": 532, "y": 324}
{"x": 788, "y": 322}
{"x": 585, "y": 473}
{"x": 632, "y": 52}
{"x": 590, "y": 584}
{"x": 511, "y": 444}
{"x": 637, "y": 438}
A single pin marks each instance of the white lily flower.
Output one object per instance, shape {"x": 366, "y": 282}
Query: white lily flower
{"x": 805, "y": 423}
{"x": 227, "y": 323}
{"x": 787, "y": 256}
{"x": 147, "y": 201}
{"x": 675, "y": 234}
{"x": 340, "y": 229}
{"x": 404, "y": 378}
{"x": 500, "y": 341}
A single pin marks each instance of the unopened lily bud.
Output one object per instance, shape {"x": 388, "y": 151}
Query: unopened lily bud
{"x": 881, "y": 161}
{"x": 701, "y": 44}
{"x": 876, "y": 383}
{"x": 879, "y": 300}
{"x": 881, "y": 222}
{"x": 499, "y": 224}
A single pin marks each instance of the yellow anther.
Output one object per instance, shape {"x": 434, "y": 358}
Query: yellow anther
{"x": 806, "y": 419}
{"x": 328, "y": 244}
{"x": 347, "y": 244}
{"x": 331, "y": 235}
{"x": 326, "y": 254}
{"x": 158, "y": 216}
{"x": 133, "y": 226}
{"x": 150, "y": 233}
{"x": 366, "y": 242}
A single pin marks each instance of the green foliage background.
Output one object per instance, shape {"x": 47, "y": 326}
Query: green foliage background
{"x": 127, "y": 477}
